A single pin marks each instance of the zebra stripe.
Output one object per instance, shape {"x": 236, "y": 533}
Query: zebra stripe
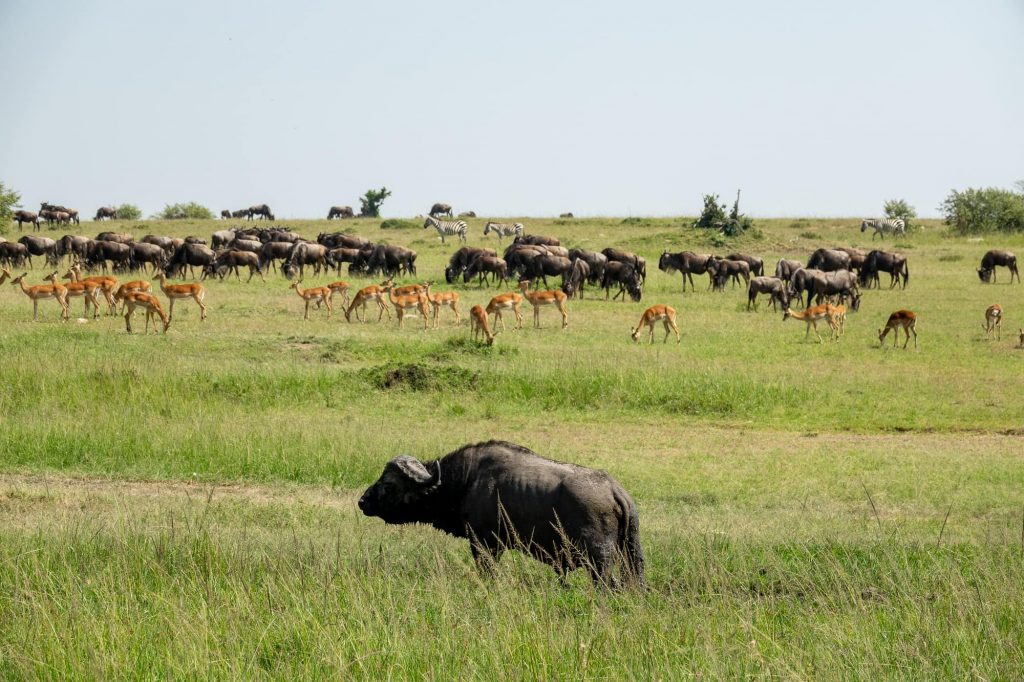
{"x": 447, "y": 227}
{"x": 504, "y": 229}
{"x": 883, "y": 225}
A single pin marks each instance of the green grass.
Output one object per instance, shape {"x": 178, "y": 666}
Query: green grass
{"x": 183, "y": 505}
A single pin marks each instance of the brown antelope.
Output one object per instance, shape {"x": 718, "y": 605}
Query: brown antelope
{"x": 542, "y": 298}
{"x": 42, "y": 292}
{"x": 993, "y": 321}
{"x": 417, "y": 301}
{"x": 900, "y": 319}
{"x": 445, "y": 298}
{"x": 662, "y": 313}
{"x": 504, "y": 302}
{"x": 478, "y": 324}
{"x": 812, "y": 315}
{"x": 374, "y": 292}
{"x": 340, "y": 288}
{"x": 5, "y": 275}
{"x": 174, "y": 292}
{"x": 108, "y": 284}
{"x": 85, "y": 289}
{"x": 316, "y": 295}
{"x": 132, "y": 287}
{"x": 412, "y": 289}
{"x": 149, "y": 303}
{"x": 839, "y": 317}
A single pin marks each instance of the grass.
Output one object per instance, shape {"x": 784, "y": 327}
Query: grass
{"x": 183, "y": 505}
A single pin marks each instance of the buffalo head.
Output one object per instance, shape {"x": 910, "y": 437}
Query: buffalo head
{"x": 399, "y": 494}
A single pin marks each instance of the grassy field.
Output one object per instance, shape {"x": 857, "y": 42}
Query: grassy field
{"x": 184, "y": 505}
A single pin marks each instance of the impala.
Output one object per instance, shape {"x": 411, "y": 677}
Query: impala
{"x": 900, "y": 319}
{"x": 504, "y": 302}
{"x": 86, "y": 289}
{"x": 316, "y": 295}
{"x": 5, "y": 275}
{"x": 478, "y": 324}
{"x": 107, "y": 283}
{"x": 42, "y": 292}
{"x": 812, "y": 315}
{"x": 417, "y": 301}
{"x": 542, "y": 298}
{"x": 663, "y": 313}
{"x": 173, "y": 292}
{"x": 147, "y": 302}
{"x": 340, "y": 288}
{"x": 993, "y": 321}
{"x": 132, "y": 287}
{"x": 839, "y": 317}
{"x": 446, "y": 298}
{"x": 374, "y": 292}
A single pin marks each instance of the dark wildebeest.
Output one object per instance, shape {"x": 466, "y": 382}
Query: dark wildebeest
{"x": 40, "y": 246}
{"x": 841, "y": 283}
{"x": 625, "y": 275}
{"x": 468, "y": 214}
{"x": 240, "y": 213}
{"x": 799, "y": 282}
{"x": 165, "y": 243}
{"x": 596, "y": 263}
{"x": 101, "y": 251}
{"x": 441, "y": 209}
{"x": 566, "y": 215}
{"x": 148, "y": 253}
{"x": 341, "y": 240}
{"x": 52, "y": 217}
{"x": 536, "y": 239}
{"x": 221, "y": 238}
{"x": 721, "y": 269}
{"x": 190, "y": 256}
{"x": 461, "y": 259}
{"x": 755, "y": 263}
{"x": 392, "y": 260}
{"x": 484, "y": 266}
{"x": 577, "y": 276}
{"x": 340, "y": 212}
{"x": 73, "y": 245}
{"x": 261, "y": 210}
{"x": 225, "y": 214}
{"x": 880, "y": 261}
{"x": 556, "y": 250}
{"x": 250, "y": 245}
{"x": 13, "y": 254}
{"x": 638, "y": 263}
{"x": 773, "y": 286}
{"x": 502, "y": 496}
{"x": 857, "y": 257}
{"x": 545, "y": 265}
{"x": 686, "y": 262}
{"x": 107, "y": 212}
{"x": 301, "y": 255}
{"x": 273, "y": 251}
{"x": 784, "y": 269}
{"x": 829, "y": 260}
{"x": 231, "y": 260}
{"x": 994, "y": 258}
{"x": 519, "y": 257}
{"x": 119, "y": 237}
{"x": 279, "y": 235}
{"x": 192, "y": 239}
{"x": 72, "y": 213}
{"x": 335, "y": 257}
{"x": 26, "y": 217}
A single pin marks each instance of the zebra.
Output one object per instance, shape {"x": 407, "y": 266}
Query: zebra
{"x": 447, "y": 227}
{"x": 881, "y": 226}
{"x": 504, "y": 230}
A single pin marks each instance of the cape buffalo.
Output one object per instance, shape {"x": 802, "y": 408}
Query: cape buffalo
{"x": 995, "y": 257}
{"x": 500, "y": 496}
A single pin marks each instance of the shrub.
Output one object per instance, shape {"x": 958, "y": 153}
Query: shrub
{"x": 713, "y": 216}
{"x": 127, "y": 212}
{"x": 398, "y": 224}
{"x": 371, "y": 202}
{"x": 191, "y": 210}
{"x": 898, "y": 208}
{"x": 8, "y": 201}
{"x": 984, "y": 210}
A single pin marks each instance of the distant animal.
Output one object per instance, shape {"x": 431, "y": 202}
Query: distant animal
{"x": 663, "y": 313}
{"x": 72, "y": 214}
{"x": 26, "y": 217}
{"x": 773, "y": 286}
{"x": 392, "y": 260}
{"x": 447, "y": 227}
{"x": 546, "y": 265}
{"x": 857, "y": 257}
{"x": 722, "y": 269}
{"x": 577, "y": 276}
{"x": 501, "y": 496}
{"x": 441, "y": 209}
{"x": 993, "y": 321}
{"x": 240, "y": 213}
{"x": 884, "y": 226}
{"x": 841, "y": 283}
{"x": 503, "y": 229}
{"x": 188, "y": 256}
{"x": 901, "y": 319}
{"x": 468, "y": 214}
{"x": 262, "y": 211}
{"x": 105, "y": 212}
{"x": 687, "y": 263}
{"x": 994, "y": 258}
{"x": 225, "y": 214}
{"x": 800, "y": 281}
{"x": 340, "y": 212}
{"x": 461, "y": 259}
{"x": 566, "y": 215}
{"x": 537, "y": 239}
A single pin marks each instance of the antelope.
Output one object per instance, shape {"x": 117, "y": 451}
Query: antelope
{"x": 412, "y": 289}
{"x": 173, "y": 292}
{"x": 414, "y": 301}
{"x": 478, "y": 323}
{"x": 339, "y": 288}
{"x": 445, "y": 298}
{"x": 107, "y": 284}
{"x": 316, "y": 295}
{"x": 663, "y": 313}
{"x": 900, "y": 319}
{"x": 504, "y": 302}
{"x": 812, "y": 315}
{"x": 5, "y": 275}
{"x": 542, "y": 298}
{"x": 1020, "y": 344}
{"x": 993, "y": 321}
{"x": 86, "y": 289}
{"x": 132, "y": 287}
{"x": 42, "y": 292}
{"x": 149, "y": 303}
{"x": 839, "y": 316}
{"x": 373, "y": 292}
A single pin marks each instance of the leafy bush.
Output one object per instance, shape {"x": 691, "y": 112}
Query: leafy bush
{"x": 984, "y": 210}
{"x": 713, "y": 216}
{"x": 898, "y": 208}
{"x": 371, "y": 202}
{"x": 8, "y": 201}
{"x": 398, "y": 224}
{"x": 127, "y": 212}
{"x": 191, "y": 210}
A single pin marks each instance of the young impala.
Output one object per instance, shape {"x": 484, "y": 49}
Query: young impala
{"x": 316, "y": 295}
{"x": 814, "y": 314}
{"x": 374, "y": 292}
{"x": 505, "y": 302}
{"x": 107, "y": 283}
{"x": 993, "y": 321}
{"x": 478, "y": 324}
{"x": 149, "y": 303}
{"x": 85, "y": 289}
{"x": 416, "y": 301}
{"x": 445, "y": 298}
{"x": 132, "y": 287}
{"x": 340, "y": 288}
{"x": 174, "y": 292}
{"x": 542, "y": 298}
{"x": 5, "y": 275}
{"x": 900, "y": 319}
{"x": 43, "y": 292}
{"x": 663, "y": 313}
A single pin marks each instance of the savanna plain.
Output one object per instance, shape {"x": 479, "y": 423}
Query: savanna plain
{"x": 183, "y": 505}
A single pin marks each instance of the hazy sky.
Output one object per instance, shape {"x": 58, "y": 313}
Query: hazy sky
{"x": 512, "y": 108}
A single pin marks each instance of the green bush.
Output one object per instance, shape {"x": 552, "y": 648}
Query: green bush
{"x": 398, "y": 224}
{"x": 191, "y": 210}
{"x": 714, "y": 217}
{"x": 8, "y": 201}
{"x": 127, "y": 212}
{"x": 371, "y": 202}
{"x": 898, "y": 208}
{"x": 984, "y": 210}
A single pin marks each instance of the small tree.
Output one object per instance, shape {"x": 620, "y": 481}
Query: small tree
{"x": 714, "y": 217}
{"x": 371, "y": 202}
{"x": 984, "y": 210}
{"x": 898, "y": 208}
{"x": 8, "y": 202}
{"x": 127, "y": 212}
{"x": 191, "y": 210}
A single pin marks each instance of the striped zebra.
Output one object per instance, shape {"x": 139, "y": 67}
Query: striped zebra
{"x": 447, "y": 227}
{"x": 883, "y": 225}
{"x": 504, "y": 230}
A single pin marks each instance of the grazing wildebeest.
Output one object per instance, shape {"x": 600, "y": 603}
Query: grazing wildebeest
{"x": 225, "y": 214}
{"x": 799, "y": 282}
{"x": 73, "y": 245}
{"x": 240, "y": 213}
{"x": 13, "y": 254}
{"x": 100, "y": 251}
{"x": 340, "y": 212}
{"x": 341, "y": 240}
{"x": 301, "y": 255}
{"x": 72, "y": 213}
{"x": 577, "y": 276}
{"x": 250, "y": 245}
{"x": 441, "y": 209}
{"x": 165, "y": 243}
{"x": 536, "y": 239}
{"x": 625, "y": 275}
{"x": 500, "y": 496}
{"x": 545, "y": 265}
{"x": 784, "y": 269}
{"x": 721, "y": 269}
{"x": 468, "y": 214}
{"x": 148, "y": 253}
{"x": 107, "y": 212}
{"x": 221, "y": 238}
{"x": 686, "y": 262}
{"x": 261, "y": 210}
{"x": 26, "y": 217}
{"x": 335, "y": 257}
{"x": 566, "y": 215}
{"x": 40, "y": 246}
{"x": 773, "y": 286}
{"x": 119, "y": 237}
{"x": 273, "y": 251}
{"x": 279, "y": 235}
{"x": 997, "y": 257}
{"x": 596, "y": 263}
{"x": 755, "y": 263}
{"x": 190, "y": 256}
{"x": 192, "y": 239}
{"x": 392, "y": 260}
{"x": 52, "y": 217}
{"x": 519, "y": 257}
{"x": 461, "y": 259}
{"x": 829, "y": 260}
{"x": 857, "y": 257}
{"x": 231, "y": 260}
{"x": 841, "y": 283}
{"x": 880, "y": 261}
{"x": 638, "y": 262}
{"x": 484, "y": 266}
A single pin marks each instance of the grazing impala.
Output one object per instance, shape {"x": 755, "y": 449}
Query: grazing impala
{"x": 478, "y": 323}
{"x": 663, "y": 313}
{"x": 340, "y": 288}
{"x": 504, "y": 302}
{"x": 5, "y": 275}
{"x": 43, "y": 292}
{"x": 132, "y": 287}
{"x": 316, "y": 295}
{"x": 446, "y": 298}
{"x": 416, "y": 301}
{"x": 374, "y": 292}
{"x": 107, "y": 283}
{"x": 900, "y": 319}
{"x": 993, "y": 321}
{"x": 149, "y": 303}
{"x": 173, "y": 292}
{"x": 542, "y": 298}
{"x": 814, "y": 314}
{"x": 86, "y": 289}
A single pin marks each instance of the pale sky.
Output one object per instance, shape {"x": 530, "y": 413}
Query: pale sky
{"x": 813, "y": 108}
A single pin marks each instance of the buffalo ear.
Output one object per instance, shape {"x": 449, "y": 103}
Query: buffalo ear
{"x": 413, "y": 469}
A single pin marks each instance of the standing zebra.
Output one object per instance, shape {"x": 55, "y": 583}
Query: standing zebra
{"x": 504, "y": 229}
{"x": 447, "y": 227}
{"x": 881, "y": 226}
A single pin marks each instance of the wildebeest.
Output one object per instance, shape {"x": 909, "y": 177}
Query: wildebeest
{"x": 461, "y": 259}
{"x": 273, "y": 251}
{"x": 72, "y": 213}
{"x": 841, "y": 283}
{"x": 340, "y": 212}
{"x": 994, "y": 258}
{"x": 566, "y": 215}
{"x": 721, "y": 269}
{"x": 225, "y": 214}
{"x": 119, "y": 237}
{"x": 107, "y": 212}
{"x": 441, "y": 209}
{"x": 638, "y": 263}
{"x": 755, "y": 263}
{"x": 101, "y": 251}
{"x": 577, "y": 276}
{"x": 250, "y": 245}
{"x": 857, "y": 257}
{"x": 261, "y": 210}
{"x": 340, "y": 239}
{"x": 626, "y": 276}
{"x": 537, "y": 239}
{"x": 545, "y": 265}
{"x": 335, "y": 257}
{"x": 190, "y": 256}
{"x": 240, "y": 213}
{"x": 222, "y": 238}
{"x": 799, "y": 282}
{"x": 468, "y": 214}
{"x": 596, "y": 263}
{"x": 301, "y": 255}
{"x": 26, "y": 217}
{"x": 880, "y": 261}
{"x": 231, "y": 260}
{"x": 784, "y": 269}
{"x": 686, "y": 262}
{"x": 500, "y": 496}
{"x": 13, "y": 254}
{"x": 54, "y": 217}
{"x": 486, "y": 265}
{"x": 773, "y": 286}
{"x": 148, "y": 253}
{"x": 40, "y": 246}
{"x": 165, "y": 243}
{"x": 73, "y": 245}
{"x": 392, "y": 260}
{"x": 829, "y": 260}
